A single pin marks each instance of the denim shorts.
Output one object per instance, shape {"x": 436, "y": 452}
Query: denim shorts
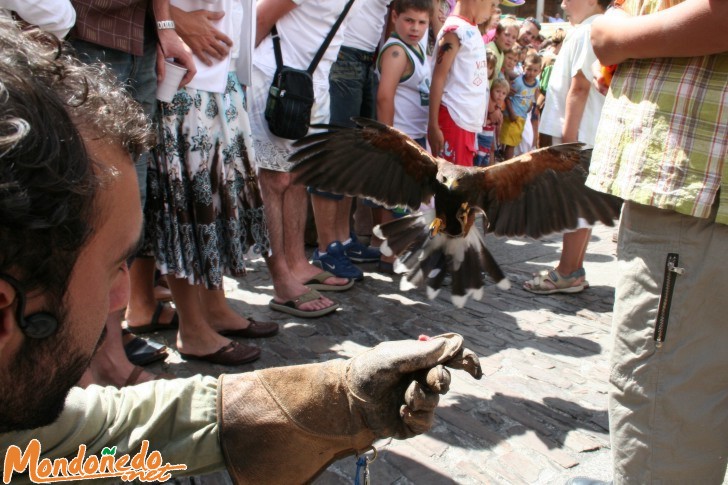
{"x": 352, "y": 88}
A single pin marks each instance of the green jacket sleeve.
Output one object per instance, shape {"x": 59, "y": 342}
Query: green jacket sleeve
{"x": 178, "y": 418}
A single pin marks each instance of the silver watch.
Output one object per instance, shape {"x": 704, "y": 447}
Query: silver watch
{"x": 165, "y": 24}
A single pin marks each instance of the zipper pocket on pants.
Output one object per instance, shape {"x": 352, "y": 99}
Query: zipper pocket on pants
{"x": 672, "y": 271}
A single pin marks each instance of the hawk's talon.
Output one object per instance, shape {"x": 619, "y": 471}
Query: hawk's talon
{"x": 436, "y": 226}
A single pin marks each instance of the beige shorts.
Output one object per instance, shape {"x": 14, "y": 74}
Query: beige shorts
{"x": 668, "y": 407}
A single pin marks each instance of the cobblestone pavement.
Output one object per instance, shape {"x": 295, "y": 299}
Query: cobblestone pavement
{"x": 539, "y": 413}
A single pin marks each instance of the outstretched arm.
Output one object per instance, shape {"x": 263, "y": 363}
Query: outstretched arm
{"x": 311, "y": 415}
{"x": 692, "y": 28}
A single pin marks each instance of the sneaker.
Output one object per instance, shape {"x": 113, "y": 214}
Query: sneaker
{"x": 336, "y": 262}
{"x": 360, "y": 253}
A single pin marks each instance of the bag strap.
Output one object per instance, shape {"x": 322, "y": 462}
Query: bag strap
{"x": 322, "y": 49}
{"x": 329, "y": 38}
{"x": 277, "y": 47}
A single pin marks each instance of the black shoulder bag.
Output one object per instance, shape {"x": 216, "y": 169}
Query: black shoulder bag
{"x": 291, "y": 98}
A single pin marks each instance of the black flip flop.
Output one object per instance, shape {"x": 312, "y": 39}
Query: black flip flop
{"x": 155, "y": 325}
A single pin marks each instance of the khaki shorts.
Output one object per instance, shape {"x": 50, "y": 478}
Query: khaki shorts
{"x": 668, "y": 407}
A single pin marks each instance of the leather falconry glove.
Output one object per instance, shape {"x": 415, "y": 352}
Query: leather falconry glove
{"x": 287, "y": 424}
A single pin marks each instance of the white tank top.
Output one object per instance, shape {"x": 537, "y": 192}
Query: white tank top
{"x": 412, "y": 97}
{"x": 466, "y": 86}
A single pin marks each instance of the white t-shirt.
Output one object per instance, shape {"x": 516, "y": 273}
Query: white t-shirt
{"x": 466, "y": 86}
{"x": 365, "y": 24}
{"x": 302, "y": 31}
{"x": 576, "y": 55}
{"x": 412, "y": 97}
{"x": 214, "y": 78}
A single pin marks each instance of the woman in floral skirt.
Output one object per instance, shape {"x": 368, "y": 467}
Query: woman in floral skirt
{"x": 204, "y": 212}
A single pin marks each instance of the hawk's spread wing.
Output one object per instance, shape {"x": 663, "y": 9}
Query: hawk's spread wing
{"x": 372, "y": 160}
{"x": 541, "y": 192}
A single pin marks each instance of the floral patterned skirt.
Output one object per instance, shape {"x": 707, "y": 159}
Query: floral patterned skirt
{"x": 204, "y": 211}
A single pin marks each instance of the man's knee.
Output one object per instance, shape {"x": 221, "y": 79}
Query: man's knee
{"x": 274, "y": 182}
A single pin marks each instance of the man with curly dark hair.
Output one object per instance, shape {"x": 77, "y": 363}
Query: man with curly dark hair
{"x": 70, "y": 217}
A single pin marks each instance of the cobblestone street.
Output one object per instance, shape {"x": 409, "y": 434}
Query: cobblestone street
{"x": 539, "y": 413}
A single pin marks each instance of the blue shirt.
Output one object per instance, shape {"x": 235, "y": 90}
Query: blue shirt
{"x": 525, "y": 96}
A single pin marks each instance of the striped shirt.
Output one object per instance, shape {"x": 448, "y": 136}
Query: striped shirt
{"x": 663, "y": 134}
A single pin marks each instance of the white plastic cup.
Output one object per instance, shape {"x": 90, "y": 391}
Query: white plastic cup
{"x": 173, "y": 74}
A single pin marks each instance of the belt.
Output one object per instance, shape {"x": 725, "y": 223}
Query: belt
{"x": 360, "y": 55}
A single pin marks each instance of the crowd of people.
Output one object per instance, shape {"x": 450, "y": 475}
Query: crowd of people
{"x": 470, "y": 85}
{"x": 217, "y": 189}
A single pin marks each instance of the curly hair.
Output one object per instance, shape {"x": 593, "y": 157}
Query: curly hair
{"x": 48, "y": 183}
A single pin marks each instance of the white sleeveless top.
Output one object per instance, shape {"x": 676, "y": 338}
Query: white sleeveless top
{"x": 412, "y": 97}
{"x": 466, "y": 86}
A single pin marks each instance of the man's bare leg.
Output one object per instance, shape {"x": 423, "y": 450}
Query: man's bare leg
{"x": 363, "y": 219}
{"x": 343, "y": 219}
{"x": 325, "y": 212}
{"x": 285, "y": 201}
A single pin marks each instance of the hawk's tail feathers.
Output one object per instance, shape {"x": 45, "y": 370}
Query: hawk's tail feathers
{"x": 426, "y": 260}
{"x": 402, "y": 233}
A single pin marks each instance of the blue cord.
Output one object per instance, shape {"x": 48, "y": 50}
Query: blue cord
{"x": 361, "y": 462}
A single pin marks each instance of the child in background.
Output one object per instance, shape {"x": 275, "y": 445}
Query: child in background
{"x": 487, "y": 28}
{"x": 571, "y": 113}
{"x": 486, "y": 138}
{"x": 491, "y": 61}
{"x": 525, "y": 89}
{"x": 437, "y": 20}
{"x": 506, "y": 34}
{"x": 403, "y": 96}
{"x": 509, "y": 72}
{"x": 521, "y": 53}
{"x": 458, "y": 95}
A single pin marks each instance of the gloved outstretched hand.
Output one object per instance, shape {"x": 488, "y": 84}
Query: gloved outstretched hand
{"x": 285, "y": 425}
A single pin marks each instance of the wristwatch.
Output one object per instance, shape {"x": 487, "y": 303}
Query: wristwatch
{"x": 165, "y": 24}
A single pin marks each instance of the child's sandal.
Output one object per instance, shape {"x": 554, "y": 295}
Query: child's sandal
{"x": 548, "y": 282}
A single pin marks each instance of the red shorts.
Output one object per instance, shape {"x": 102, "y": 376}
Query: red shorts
{"x": 460, "y": 145}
